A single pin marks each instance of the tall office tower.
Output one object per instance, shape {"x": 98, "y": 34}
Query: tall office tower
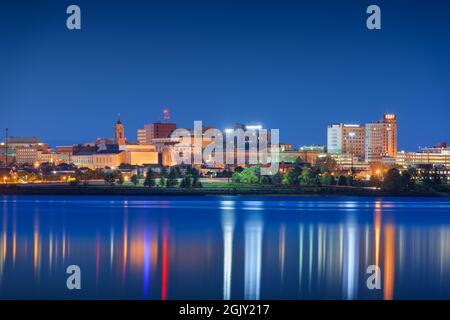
{"x": 158, "y": 130}
{"x": 346, "y": 138}
{"x": 381, "y": 139}
{"x": 390, "y": 121}
{"x": 119, "y": 133}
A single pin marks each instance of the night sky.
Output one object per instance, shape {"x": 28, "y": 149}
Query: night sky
{"x": 292, "y": 65}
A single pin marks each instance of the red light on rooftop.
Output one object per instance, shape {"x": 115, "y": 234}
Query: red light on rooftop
{"x": 166, "y": 114}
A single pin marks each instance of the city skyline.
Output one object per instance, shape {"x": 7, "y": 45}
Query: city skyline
{"x": 226, "y": 157}
{"x": 133, "y": 137}
{"x": 296, "y": 67}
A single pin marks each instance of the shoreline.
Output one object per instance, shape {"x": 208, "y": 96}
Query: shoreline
{"x": 90, "y": 190}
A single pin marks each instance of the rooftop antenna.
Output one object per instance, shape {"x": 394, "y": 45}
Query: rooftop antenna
{"x": 166, "y": 114}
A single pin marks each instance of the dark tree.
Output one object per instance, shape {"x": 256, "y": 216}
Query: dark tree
{"x": 342, "y": 181}
{"x": 394, "y": 182}
{"x": 150, "y": 178}
{"x": 135, "y": 179}
{"x": 172, "y": 180}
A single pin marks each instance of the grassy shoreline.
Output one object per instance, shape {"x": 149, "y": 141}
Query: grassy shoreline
{"x": 263, "y": 190}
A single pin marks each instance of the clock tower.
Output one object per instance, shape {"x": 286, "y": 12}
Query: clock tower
{"x": 119, "y": 132}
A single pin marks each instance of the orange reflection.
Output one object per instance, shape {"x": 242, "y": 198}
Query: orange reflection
{"x": 165, "y": 265}
{"x": 5, "y": 222}
{"x": 50, "y": 250}
{"x": 36, "y": 244}
{"x": 14, "y": 246}
{"x": 125, "y": 248}
{"x": 281, "y": 249}
{"x": 389, "y": 262}
{"x": 377, "y": 225}
{"x": 64, "y": 245}
{"x": 137, "y": 249}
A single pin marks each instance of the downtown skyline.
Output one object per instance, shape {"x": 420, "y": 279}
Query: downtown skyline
{"x": 296, "y": 67}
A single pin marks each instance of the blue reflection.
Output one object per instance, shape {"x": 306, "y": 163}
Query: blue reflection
{"x": 224, "y": 247}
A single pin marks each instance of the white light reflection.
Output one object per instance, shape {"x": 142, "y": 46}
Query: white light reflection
{"x": 351, "y": 258}
{"x": 227, "y": 229}
{"x": 253, "y": 249}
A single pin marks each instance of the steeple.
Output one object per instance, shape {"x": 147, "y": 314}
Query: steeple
{"x": 119, "y": 132}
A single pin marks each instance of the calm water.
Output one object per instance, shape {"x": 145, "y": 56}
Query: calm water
{"x": 224, "y": 247}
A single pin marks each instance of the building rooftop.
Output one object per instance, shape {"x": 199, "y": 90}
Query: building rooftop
{"x": 30, "y": 140}
{"x": 109, "y": 152}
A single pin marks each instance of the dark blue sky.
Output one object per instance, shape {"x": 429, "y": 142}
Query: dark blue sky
{"x": 292, "y": 65}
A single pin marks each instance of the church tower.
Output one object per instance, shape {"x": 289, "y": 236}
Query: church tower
{"x": 119, "y": 132}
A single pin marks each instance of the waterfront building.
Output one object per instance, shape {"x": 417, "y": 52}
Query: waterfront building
{"x": 138, "y": 155}
{"x": 347, "y": 161}
{"x": 285, "y": 147}
{"x": 46, "y": 157}
{"x": 407, "y": 159}
{"x": 442, "y": 149}
{"x": 14, "y": 142}
{"x": 156, "y": 130}
{"x": 381, "y": 139}
{"x": 26, "y": 154}
{"x": 84, "y": 148}
{"x": 106, "y": 144}
{"x": 346, "y": 138}
{"x": 23, "y": 150}
{"x": 370, "y": 142}
{"x": 318, "y": 148}
{"x": 306, "y": 156}
{"x": 108, "y": 159}
{"x": 83, "y": 160}
{"x": 68, "y": 150}
{"x": 10, "y": 157}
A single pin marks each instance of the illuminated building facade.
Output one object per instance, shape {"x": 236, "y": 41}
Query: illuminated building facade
{"x": 138, "y": 155}
{"x": 47, "y": 157}
{"x": 346, "y": 138}
{"x": 155, "y": 130}
{"x": 286, "y": 147}
{"x": 26, "y": 155}
{"x": 83, "y": 160}
{"x": 381, "y": 139}
{"x": 119, "y": 133}
{"x": 407, "y": 159}
{"x": 142, "y": 137}
{"x": 108, "y": 159}
{"x": 68, "y": 150}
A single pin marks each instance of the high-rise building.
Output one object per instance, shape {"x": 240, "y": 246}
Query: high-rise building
{"x": 346, "y": 138}
{"x": 119, "y": 133}
{"x": 156, "y": 130}
{"x": 390, "y": 121}
{"x": 381, "y": 139}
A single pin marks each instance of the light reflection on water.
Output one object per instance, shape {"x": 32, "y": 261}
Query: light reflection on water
{"x": 225, "y": 247}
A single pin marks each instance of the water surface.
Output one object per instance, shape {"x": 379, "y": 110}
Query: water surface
{"x": 224, "y": 247}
